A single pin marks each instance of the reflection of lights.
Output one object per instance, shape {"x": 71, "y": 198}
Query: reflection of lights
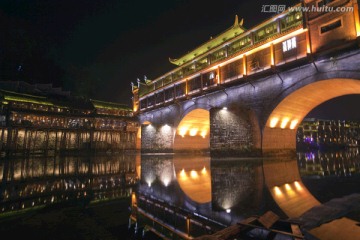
{"x": 193, "y": 131}
{"x": 273, "y": 122}
{"x": 287, "y": 186}
{"x": 193, "y": 174}
{"x": 166, "y": 182}
{"x": 228, "y": 210}
{"x": 297, "y": 185}
{"x": 277, "y": 191}
{"x": 133, "y": 199}
{"x": 284, "y": 122}
{"x": 293, "y": 124}
{"x": 149, "y": 184}
{"x": 203, "y": 171}
{"x": 224, "y": 108}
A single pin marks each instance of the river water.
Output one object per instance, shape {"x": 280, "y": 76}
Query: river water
{"x": 213, "y": 193}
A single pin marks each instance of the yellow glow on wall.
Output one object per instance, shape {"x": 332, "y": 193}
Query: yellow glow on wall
{"x": 195, "y": 122}
{"x": 193, "y": 131}
{"x": 166, "y": 181}
{"x": 273, "y": 122}
{"x": 183, "y": 130}
{"x": 203, "y": 171}
{"x": 287, "y": 187}
{"x": 194, "y": 174}
{"x": 244, "y": 65}
{"x": 277, "y": 191}
{"x": 356, "y": 17}
{"x": 293, "y": 124}
{"x": 203, "y": 133}
{"x": 284, "y": 122}
{"x": 133, "y": 199}
{"x": 298, "y": 186}
{"x": 182, "y": 173}
{"x": 272, "y": 55}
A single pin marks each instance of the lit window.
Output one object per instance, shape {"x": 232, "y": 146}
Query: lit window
{"x": 212, "y": 76}
{"x": 289, "y": 44}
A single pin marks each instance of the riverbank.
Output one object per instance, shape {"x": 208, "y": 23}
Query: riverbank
{"x": 105, "y": 220}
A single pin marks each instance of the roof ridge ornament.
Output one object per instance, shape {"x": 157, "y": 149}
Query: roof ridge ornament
{"x": 236, "y": 22}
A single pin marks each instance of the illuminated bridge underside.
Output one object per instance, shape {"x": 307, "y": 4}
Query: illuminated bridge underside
{"x": 193, "y": 131}
{"x": 280, "y": 129}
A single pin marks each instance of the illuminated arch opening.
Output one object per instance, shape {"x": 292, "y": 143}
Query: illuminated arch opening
{"x": 280, "y": 130}
{"x": 193, "y": 131}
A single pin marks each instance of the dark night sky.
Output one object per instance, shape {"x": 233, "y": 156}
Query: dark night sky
{"x": 96, "y": 48}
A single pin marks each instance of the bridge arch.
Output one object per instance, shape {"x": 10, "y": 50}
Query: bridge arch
{"x": 279, "y": 132}
{"x": 193, "y": 131}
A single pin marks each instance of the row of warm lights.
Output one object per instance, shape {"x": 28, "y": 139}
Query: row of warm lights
{"x": 192, "y": 131}
{"x": 193, "y": 174}
{"x": 283, "y": 123}
{"x": 288, "y": 189}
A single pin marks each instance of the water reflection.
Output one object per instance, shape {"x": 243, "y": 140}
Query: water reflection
{"x": 208, "y": 193}
{"x": 342, "y": 163}
{"x": 35, "y": 181}
{"x": 180, "y": 190}
{"x": 193, "y": 174}
{"x": 190, "y": 195}
{"x": 330, "y": 175}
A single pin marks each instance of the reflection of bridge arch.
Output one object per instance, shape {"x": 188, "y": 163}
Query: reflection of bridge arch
{"x": 194, "y": 178}
{"x": 193, "y": 131}
{"x": 280, "y": 129}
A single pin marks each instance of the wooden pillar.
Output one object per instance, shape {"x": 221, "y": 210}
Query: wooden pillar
{"x": 46, "y": 138}
{"x": 272, "y": 55}
{"x": 56, "y": 142}
{"x": 34, "y": 144}
{"x": 218, "y": 74}
{"x": 2, "y": 139}
{"x": 29, "y": 142}
{"x": 8, "y": 142}
{"x": 16, "y": 134}
{"x": 24, "y": 141}
{"x": 244, "y": 65}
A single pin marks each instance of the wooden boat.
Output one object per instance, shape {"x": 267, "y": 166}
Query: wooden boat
{"x": 266, "y": 226}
